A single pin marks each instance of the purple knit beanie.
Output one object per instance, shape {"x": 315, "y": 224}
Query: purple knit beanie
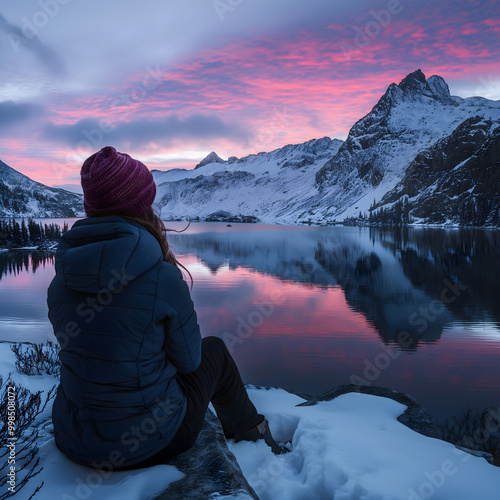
{"x": 115, "y": 183}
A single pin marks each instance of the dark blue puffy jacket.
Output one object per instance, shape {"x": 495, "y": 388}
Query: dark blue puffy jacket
{"x": 126, "y": 325}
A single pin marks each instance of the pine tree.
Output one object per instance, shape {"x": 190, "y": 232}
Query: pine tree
{"x": 406, "y": 211}
{"x": 16, "y": 235}
{"x": 24, "y": 233}
{"x": 397, "y": 217}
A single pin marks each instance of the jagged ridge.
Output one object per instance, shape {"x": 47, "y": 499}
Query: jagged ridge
{"x": 20, "y": 196}
{"x": 316, "y": 182}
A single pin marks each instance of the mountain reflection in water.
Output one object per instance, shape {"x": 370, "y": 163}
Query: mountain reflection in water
{"x": 309, "y": 308}
{"x": 401, "y": 280}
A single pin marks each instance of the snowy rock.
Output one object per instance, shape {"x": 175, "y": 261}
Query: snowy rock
{"x": 409, "y": 118}
{"x": 209, "y": 468}
{"x": 213, "y": 157}
{"x": 439, "y": 87}
{"x": 415, "y": 417}
{"x": 223, "y": 216}
{"x": 353, "y": 447}
{"x": 457, "y": 180}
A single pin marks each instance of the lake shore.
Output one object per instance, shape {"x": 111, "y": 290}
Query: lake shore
{"x": 371, "y": 442}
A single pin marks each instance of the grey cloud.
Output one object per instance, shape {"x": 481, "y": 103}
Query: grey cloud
{"x": 143, "y": 131}
{"x": 19, "y": 40}
{"x": 12, "y": 112}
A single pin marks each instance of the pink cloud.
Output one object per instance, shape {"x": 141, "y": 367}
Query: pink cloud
{"x": 287, "y": 89}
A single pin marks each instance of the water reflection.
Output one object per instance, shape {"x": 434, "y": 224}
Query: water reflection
{"x": 469, "y": 257}
{"x": 408, "y": 283}
{"x": 24, "y": 278}
{"x": 412, "y": 280}
{"x": 18, "y": 261}
{"x": 346, "y": 292}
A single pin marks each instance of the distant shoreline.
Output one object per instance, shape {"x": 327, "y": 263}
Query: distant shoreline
{"x": 338, "y": 224}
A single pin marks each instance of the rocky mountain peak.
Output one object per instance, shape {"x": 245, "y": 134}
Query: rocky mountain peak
{"x": 413, "y": 81}
{"x": 438, "y": 86}
{"x": 213, "y": 157}
{"x": 415, "y": 87}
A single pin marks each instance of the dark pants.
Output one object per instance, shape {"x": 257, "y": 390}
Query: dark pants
{"x": 216, "y": 380}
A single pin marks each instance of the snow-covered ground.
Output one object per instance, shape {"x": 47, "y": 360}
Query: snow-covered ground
{"x": 354, "y": 448}
{"x": 350, "y": 448}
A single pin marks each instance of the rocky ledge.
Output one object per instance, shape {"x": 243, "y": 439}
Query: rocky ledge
{"x": 209, "y": 468}
{"x": 415, "y": 417}
{"x": 212, "y": 470}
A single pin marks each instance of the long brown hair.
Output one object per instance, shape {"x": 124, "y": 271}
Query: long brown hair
{"x": 152, "y": 222}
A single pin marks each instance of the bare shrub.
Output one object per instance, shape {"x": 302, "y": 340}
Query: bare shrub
{"x": 477, "y": 430}
{"x": 37, "y": 359}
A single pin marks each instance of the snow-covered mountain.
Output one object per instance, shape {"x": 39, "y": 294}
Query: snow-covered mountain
{"x": 22, "y": 197}
{"x": 326, "y": 180}
{"x": 263, "y": 187}
{"x": 407, "y": 123}
{"x": 455, "y": 180}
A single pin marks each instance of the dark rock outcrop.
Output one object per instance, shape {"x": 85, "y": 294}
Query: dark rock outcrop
{"x": 457, "y": 179}
{"x": 224, "y": 216}
{"x": 209, "y": 468}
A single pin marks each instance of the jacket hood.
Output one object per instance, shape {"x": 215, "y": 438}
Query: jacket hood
{"x": 104, "y": 253}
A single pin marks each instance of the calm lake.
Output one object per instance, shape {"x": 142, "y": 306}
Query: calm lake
{"x": 310, "y": 308}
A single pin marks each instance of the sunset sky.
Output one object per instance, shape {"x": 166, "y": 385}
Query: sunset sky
{"x": 170, "y": 81}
